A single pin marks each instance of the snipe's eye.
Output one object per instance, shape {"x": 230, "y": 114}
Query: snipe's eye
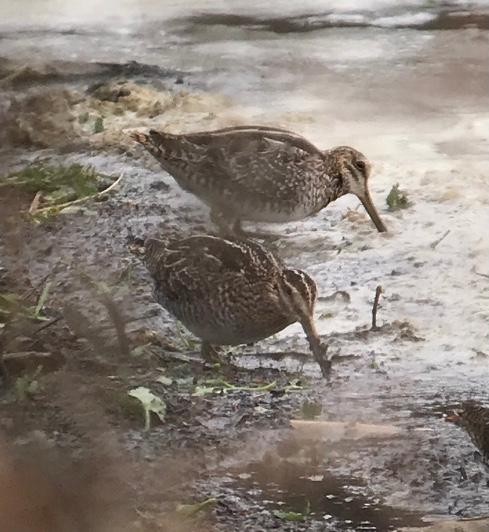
{"x": 361, "y": 165}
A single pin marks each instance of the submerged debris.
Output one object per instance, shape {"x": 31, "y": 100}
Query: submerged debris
{"x": 191, "y": 510}
{"x": 289, "y": 516}
{"x": 13, "y": 306}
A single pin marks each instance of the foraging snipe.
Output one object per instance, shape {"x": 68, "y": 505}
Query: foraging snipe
{"x": 474, "y": 418}
{"x": 231, "y": 292}
{"x": 262, "y": 174}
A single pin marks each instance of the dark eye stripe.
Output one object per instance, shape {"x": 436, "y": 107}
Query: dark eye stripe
{"x": 304, "y": 285}
{"x": 354, "y": 172}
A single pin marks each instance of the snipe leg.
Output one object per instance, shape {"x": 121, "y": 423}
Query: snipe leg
{"x": 241, "y": 233}
{"x": 268, "y": 237}
{"x": 231, "y": 227}
{"x": 209, "y": 353}
{"x": 226, "y": 225}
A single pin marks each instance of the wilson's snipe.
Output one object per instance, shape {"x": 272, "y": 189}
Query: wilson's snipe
{"x": 262, "y": 174}
{"x": 474, "y": 418}
{"x": 231, "y": 292}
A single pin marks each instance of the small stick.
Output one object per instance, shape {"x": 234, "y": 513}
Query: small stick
{"x": 48, "y": 324}
{"x": 35, "y": 202}
{"x": 126, "y": 322}
{"x": 436, "y": 242}
{"x": 38, "y": 285}
{"x": 486, "y": 275}
{"x": 378, "y": 291}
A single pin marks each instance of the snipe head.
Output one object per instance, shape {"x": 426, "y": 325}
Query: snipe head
{"x": 298, "y": 293}
{"x": 353, "y": 170}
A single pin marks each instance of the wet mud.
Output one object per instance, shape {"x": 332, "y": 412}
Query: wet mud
{"x": 370, "y": 450}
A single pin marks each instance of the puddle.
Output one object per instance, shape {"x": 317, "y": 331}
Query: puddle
{"x": 391, "y": 466}
{"x": 344, "y": 503}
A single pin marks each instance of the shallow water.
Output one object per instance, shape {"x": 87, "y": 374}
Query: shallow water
{"x": 406, "y": 83}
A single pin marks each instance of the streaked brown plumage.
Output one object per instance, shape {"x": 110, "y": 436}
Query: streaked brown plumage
{"x": 261, "y": 174}
{"x": 231, "y": 292}
{"x": 474, "y": 418}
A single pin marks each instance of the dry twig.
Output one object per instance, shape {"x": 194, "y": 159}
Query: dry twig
{"x": 48, "y": 324}
{"x": 375, "y": 307}
{"x": 35, "y": 202}
{"x": 438, "y": 240}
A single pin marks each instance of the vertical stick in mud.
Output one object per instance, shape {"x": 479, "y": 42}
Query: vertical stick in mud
{"x": 378, "y": 291}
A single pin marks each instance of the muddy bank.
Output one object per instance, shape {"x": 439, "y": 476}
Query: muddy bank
{"x": 21, "y": 76}
{"x": 304, "y": 23}
{"x": 96, "y": 115}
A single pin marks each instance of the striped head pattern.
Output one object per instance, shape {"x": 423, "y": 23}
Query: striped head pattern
{"x": 353, "y": 170}
{"x": 298, "y": 292}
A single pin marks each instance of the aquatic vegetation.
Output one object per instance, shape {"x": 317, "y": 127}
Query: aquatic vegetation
{"x": 191, "y": 510}
{"x": 57, "y": 184}
{"x": 27, "y": 385}
{"x": 294, "y": 516}
{"x": 12, "y": 305}
{"x": 57, "y": 187}
{"x": 150, "y": 403}
{"x": 397, "y": 199}
{"x": 98, "y": 127}
{"x": 83, "y": 118}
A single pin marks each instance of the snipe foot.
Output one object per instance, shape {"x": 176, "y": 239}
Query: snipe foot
{"x": 267, "y": 237}
{"x": 210, "y": 354}
{"x": 231, "y": 227}
{"x": 227, "y": 225}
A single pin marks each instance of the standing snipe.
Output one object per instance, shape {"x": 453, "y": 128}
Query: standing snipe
{"x": 474, "y": 418}
{"x": 261, "y": 174}
{"x": 231, "y": 292}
